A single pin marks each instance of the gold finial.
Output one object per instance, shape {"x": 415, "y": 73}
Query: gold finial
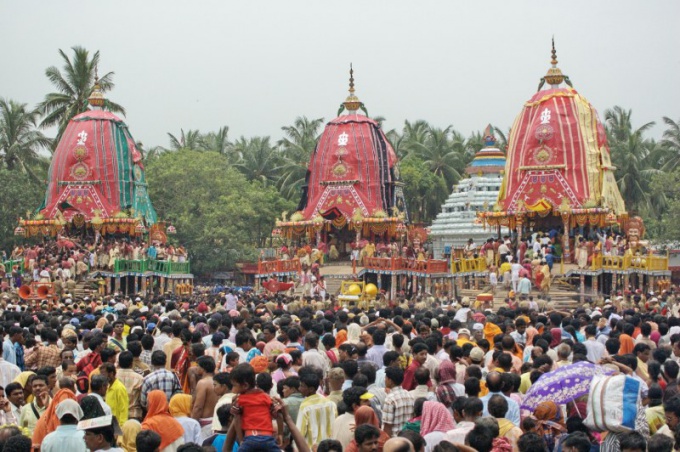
{"x": 97, "y": 98}
{"x": 554, "y": 76}
{"x": 352, "y": 103}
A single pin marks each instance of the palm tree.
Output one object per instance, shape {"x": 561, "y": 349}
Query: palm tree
{"x": 443, "y": 151}
{"x": 501, "y": 138}
{"x": 20, "y": 142}
{"x": 380, "y": 120}
{"x": 619, "y": 126}
{"x": 149, "y": 154}
{"x": 413, "y": 133}
{"x": 74, "y": 86}
{"x": 218, "y": 142}
{"x": 633, "y": 159}
{"x": 297, "y": 147}
{"x": 189, "y": 140}
{"x": 259, "y": 159}
{"x": 671, "y": 141}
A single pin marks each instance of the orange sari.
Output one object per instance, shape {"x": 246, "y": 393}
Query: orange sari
{"x": 159, "y": 420}
{"x": 366, "y": 415}
{"x": 49, "y": 421}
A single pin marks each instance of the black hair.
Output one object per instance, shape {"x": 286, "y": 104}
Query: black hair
{"x": 395, "y": 374}
{"x": 125, "y": 359}
{"x": 207, "y": 363}
{"x": 531, "y": 442}
{"x": 365, "y": 432}
{"x": 633, "y": 440}
{"x": 223, "y": 378}
{"x": 264, "y": 381}
{"x": 480, "y": 438}
{"x": 223, "y": 414}
{"x": 660, "y": 443}
{"x": 310, "y": 379}
{"x": 97, "y": 382}
{"x": 18, "y": 443}
{"x": 148, "y": 441}
{"x": 147, "y": 342}
{"x": 329, "y": 445}
{"x": 158, "y": 358}
{"x": 414, "y": 437}
{"x": 292, "y": 382}
{"x": 352, "y": 396}
{"x": 243, "y": 374}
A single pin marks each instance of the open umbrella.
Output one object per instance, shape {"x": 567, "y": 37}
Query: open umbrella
{"x": 563, "y": 384}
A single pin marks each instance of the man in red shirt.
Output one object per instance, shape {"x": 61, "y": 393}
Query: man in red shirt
{"x": 255, "y": 411}
{"x": 92, "y": 360}
{"x": 419, "y": 357}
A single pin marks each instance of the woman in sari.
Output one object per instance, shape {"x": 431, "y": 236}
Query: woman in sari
{"x": 353, "y": 333}
{"x": 436, "y": 421}
{"x": 366, "y": 415}
{"x": 550, "y": 422}
{"x": 283, "y": 362}
{"x": 181, "y": 362}
{"x": 159, "y": 420}
{"x": 340, "y": 338}
{"x": 180, "y": 409}
{"x": 546, "y": 279}
{"x": 49, "y": 421}
{"x": 128, "y": 441}
{"x": 626, "y": 344}
{"x": 448, "y": 390}
{"x": 24, "y": 379}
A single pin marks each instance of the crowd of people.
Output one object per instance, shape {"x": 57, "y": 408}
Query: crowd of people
{"x": 65, "y": 259}
{"x": 245, "y": 371}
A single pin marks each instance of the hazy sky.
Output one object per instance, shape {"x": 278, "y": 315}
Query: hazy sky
{"x": 257, "y": 65}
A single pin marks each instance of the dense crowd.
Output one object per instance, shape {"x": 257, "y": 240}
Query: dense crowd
{"x": 243, "y": 371}
{"x": 65, "y": 260}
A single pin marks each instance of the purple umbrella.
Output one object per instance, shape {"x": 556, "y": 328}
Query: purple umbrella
{"x": 563, "y": 384}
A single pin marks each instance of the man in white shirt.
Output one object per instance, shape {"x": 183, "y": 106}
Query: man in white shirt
{"x": 312, "y": 356}
{"x": 596, "y": 350}
{"x": 515, "y": 268}
{"x": 231, "y": 302}
{"x": 99, "y": 385}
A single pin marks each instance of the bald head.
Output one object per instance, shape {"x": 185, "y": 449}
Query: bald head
{"x": 398, "y": 445}
{"x": 494, "y": 382}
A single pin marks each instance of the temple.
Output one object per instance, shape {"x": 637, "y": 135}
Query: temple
{"x": 352, "y": 214}
{"x": 559, "y": 182}
{"x": 352, "y": 188}
{"x": 458, "y": 222}
{"x": 97, "y": 194}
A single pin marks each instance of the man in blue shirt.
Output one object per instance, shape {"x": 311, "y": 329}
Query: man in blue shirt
{"x": 494, "y": 383}
{"x": 152, "y": 252}
{"x": 549, "y": 259}
{"x": 66, "y": 436}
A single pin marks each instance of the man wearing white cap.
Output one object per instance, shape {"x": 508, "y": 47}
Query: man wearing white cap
{"x": 66, "y": 436}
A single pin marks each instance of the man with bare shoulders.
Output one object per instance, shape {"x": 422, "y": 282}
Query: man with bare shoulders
{"x": 205, "y": 398}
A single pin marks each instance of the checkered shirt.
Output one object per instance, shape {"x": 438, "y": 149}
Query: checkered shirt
{"x": 161, "y": 379}
{"x": 133, "y": 385}
{"x": 43, "y": 356}
{"x": 397, "y": 409}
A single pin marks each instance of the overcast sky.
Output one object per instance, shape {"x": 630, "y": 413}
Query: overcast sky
{"x": 257, "y": 65}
